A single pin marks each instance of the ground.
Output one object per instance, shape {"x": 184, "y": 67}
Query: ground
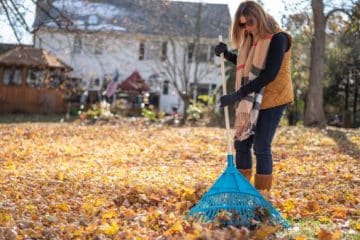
{"x": 131, "y": 180}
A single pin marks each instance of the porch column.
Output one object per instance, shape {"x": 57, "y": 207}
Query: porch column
{"x": 23, "y": 76}
{"x": 46, "y": 79}
{"x": 1, "y": 75}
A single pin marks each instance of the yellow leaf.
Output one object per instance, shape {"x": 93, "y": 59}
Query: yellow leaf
{"x": 60, "y": 176}
{"x": 99, "y": 201}
{"x": 265, "y": 231}
{"x": 350, "y": 198}
{"x": 348, "y": 176}
{"x": 300, "y": 238}
{"x": 288, "y": 205}
{"x": 4, "y": 217}
{"x": 10, "y": 165}
{"x": 64, "y": 207}
{"x": 171, "y": 215}
{"x": 91, "y": 228}
{"x": 78, "y": 233}
{"x": 324, "y": 219}
{"x": 30, "y": 208}
{"x": 109, "y": 229}
{"x": 176, "y": 228}
{"x": 89, "y": 208}
{"x": 357, "y": 226}
{"x": 189, "y": 194}
{"x": 109, "y": 214}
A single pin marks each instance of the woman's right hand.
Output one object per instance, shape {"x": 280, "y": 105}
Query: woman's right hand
{"x": 220, "y": 48}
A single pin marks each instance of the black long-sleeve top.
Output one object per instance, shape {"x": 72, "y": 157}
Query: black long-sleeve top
{"x": 279, "y": 44}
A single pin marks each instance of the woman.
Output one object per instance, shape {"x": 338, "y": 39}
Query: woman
{"x": 263, "y": 87}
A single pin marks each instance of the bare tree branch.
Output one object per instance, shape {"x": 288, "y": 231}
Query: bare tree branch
{"x": 12, "y": 24}
{"x": 19, "y": 16}
{"x": 336, "y": 10}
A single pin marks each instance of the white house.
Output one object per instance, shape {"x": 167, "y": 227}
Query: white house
{"x": 167, "y": 42}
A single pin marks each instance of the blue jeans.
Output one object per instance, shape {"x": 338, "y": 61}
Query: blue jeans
{"x": 266, "y": 125}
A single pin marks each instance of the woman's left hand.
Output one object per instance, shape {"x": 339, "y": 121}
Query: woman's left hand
{"x": 231, "y": 98}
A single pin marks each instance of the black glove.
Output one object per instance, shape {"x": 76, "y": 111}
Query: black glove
{"x": 231, "y": 98}
{"x": 220, "y": 48}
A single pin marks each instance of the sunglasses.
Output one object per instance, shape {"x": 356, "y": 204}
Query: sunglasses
{"x": 248, "y": 23}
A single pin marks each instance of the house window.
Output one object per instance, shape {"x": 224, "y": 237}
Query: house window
{"x": 212, "y": 54}
{"x": 55, "y": 79}
{"x": 164, "y": 51}
{"x": 99, "y": 46}
{"x": 202, "y": 53}
{"x": 88, "y": 44}
{"x": 35, "y": 78}
{"x": 39, "y": 42}
{"x": 93, "y": 20}
{"x": 141, "y": 51}
{"x": 12, "y": 76}
{"x": 165, "y": 87}
{"x": 153, "y": 50}
{"x": 191, "y": 48}
{"x": 77, "y": 44}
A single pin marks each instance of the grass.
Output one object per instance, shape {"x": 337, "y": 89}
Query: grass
{"x": 307, "y": 230}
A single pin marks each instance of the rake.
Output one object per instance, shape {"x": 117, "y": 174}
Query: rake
{"x": 233, "y": 194}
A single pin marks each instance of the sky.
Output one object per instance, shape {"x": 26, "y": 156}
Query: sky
{"x": 274, "y": 7}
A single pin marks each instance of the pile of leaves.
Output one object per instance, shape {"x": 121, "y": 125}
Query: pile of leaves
{"x": 134, "y": 181}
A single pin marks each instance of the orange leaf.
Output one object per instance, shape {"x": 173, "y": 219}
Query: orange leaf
{"x": 324, "y": 234}
{"x": 265, "y": 232}
{"x": 313, "y": 206}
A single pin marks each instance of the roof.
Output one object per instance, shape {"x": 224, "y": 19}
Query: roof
{"x": 154, "y": 17}
{"x": 31, "y": 57}
{"x": 134, "y": 83}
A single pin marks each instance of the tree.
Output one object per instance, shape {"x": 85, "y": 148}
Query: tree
{"x": 314, "y": 111}
{"x": 334, "y": 54}
{"x": 344, "y": 50}
{"x": 184, "y": 66}
{"x": 14, "y": 12}
{"x": 300, "y": 27}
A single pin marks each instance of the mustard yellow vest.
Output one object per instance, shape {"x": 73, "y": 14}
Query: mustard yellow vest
{"x": 280, "y": 90}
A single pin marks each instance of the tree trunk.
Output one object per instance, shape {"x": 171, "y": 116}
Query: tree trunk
{"x": 186, "y": 100}
{"x": 346, "y": 114}
{"x": 355, "y": 98}
{"x": 314, "y": 112}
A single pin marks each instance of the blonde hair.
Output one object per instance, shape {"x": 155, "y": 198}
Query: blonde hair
{"x": 265, "y": 23}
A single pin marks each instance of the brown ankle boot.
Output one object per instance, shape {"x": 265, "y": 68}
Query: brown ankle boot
{"x": 247, "y": 173}
{"x": 263, "y": 182}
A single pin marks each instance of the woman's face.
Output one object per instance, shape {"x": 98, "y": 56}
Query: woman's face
{"x": 248, "y": 23}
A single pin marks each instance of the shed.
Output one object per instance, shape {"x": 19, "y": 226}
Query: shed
{"x": 134, "y": 83}
{"x": 31, "y": 81}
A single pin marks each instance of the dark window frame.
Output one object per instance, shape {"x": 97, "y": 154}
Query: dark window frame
{"x": 142, "y": 50}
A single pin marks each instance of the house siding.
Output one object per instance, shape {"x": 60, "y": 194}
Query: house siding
{"x": 120, "y": 51}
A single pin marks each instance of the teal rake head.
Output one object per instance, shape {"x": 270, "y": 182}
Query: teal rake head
{"x": 234, "y": 194}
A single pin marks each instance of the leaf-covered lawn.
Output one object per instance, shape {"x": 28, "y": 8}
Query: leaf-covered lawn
{"x": 132, "y": 181}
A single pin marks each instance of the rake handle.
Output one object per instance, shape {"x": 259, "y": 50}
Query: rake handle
{"x": 226, "y": 109}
